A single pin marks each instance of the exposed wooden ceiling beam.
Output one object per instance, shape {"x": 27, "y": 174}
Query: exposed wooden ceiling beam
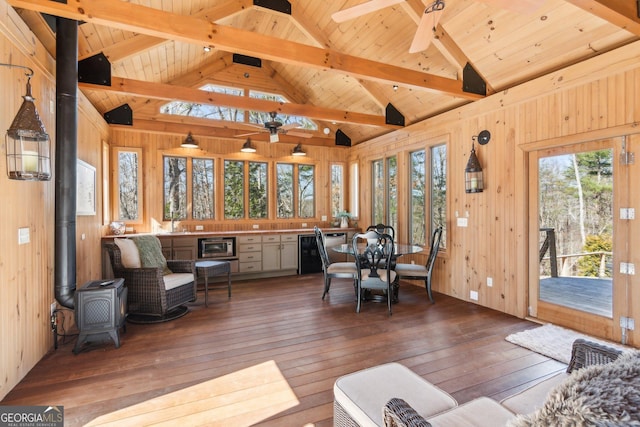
{"x": 623, "y": 13}
{"x": 170, "y": 92}
{"x": 158, "y": 23}
{"x": 140, "y": 42}
{"x": 185, "y": 125}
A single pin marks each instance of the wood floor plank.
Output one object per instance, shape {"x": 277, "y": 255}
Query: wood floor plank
{"x": 269, "y": 357}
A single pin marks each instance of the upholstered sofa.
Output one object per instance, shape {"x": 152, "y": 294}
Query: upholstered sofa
{"x": 391, "y": 395}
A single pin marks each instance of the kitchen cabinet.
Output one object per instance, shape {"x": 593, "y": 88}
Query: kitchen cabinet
{"x": 280, "y": 252}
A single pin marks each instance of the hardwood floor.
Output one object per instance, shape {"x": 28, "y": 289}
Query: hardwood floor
{"x": 271, "y": 354}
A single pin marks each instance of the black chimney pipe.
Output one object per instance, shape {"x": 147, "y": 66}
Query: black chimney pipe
{"x": 66, "y": 159}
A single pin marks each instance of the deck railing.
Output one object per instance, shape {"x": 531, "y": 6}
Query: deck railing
{"x": 549, "y": 245}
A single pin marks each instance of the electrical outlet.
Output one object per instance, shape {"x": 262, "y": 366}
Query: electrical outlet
{"x": 23, "y": 235}
{"x": 489, "y": 282}
{"x": 462, "y": 222}
{"x": 473, "y": 295}
{"x": 324, "y": 218}
{"x": 304, "y": 225}
{"x": 199, "y": 227}
{"x": 256, "y": 226}
{"x": 53, "y": 308}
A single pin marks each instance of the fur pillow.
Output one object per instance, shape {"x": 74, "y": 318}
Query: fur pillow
{"x": 600, "y": 395}
{"x": 150, "y": 251}
{"x": 128, "y": 253}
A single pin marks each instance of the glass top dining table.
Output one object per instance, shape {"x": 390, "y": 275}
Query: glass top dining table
{"x": 399, "y": 249}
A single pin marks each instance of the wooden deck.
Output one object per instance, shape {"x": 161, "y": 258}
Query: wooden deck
{"x": 592, "y": 295}
{"x": 270, "y": 356}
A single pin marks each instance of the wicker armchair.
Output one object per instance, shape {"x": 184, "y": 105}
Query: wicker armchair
{"x": 150, "y": 299}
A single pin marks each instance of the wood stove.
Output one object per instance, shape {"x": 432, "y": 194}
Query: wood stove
{"x": 101, "y": 309}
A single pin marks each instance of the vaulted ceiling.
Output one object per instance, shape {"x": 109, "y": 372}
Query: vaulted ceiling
{"x": 343, "y": 76}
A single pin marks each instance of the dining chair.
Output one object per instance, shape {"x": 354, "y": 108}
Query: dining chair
{"x": 337, "y": 270}
{"x": 422, "y": 272}
{"x": 373, "y": 251}
{"x": 382, "y": 228}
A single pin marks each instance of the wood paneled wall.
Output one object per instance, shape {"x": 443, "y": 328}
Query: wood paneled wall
{"x": 155, "y": 145}
{"x": 594, "y": 100}
{"x": 27, "y": 270}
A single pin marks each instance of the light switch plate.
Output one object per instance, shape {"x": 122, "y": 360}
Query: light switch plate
{"x": 462, "y": 222}
{"x": 23, "y": 236}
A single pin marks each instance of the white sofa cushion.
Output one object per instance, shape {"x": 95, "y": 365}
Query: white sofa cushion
{"x": 363, "y": 394}
{"x": 480, "y": 412}
{"x": 532, "y": 398}
{"x": 174, "y": 280}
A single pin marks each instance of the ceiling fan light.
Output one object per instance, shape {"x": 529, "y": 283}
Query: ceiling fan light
{"x": 273, "y": 137}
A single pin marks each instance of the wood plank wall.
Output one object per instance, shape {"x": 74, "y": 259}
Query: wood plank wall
{"x": 27, "y": 271}
{"x": 591, "y": 101}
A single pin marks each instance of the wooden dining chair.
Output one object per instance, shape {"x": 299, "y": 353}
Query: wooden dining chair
{"x": 337, "y": 270}
{"x": 373, "y": 251}
{"x": 422, "y": 272}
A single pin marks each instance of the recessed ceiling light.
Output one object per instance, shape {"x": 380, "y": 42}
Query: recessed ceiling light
{"x": 395, "y": 87}
{"x": 207, "y": 49}
{"x": 326, "y": 131}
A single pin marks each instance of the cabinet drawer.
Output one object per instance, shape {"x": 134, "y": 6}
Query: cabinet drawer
{"x": 249, "y": 248}
{"x": 250, "y": 256}
{"x": 273, "y": 238}
{"x": 246, "y": 267}
{"x": 289, "y": 238}
{"x": 249, "y": 239}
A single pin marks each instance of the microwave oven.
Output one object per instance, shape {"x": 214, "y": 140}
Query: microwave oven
{"x": 216, "y": 247}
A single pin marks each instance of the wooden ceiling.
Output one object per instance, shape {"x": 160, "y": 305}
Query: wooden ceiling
{"x": 340, "y": 75}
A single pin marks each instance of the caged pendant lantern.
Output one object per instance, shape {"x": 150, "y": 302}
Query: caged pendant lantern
{"x": 473, "y": 177}
{"x": 27, "y": 142}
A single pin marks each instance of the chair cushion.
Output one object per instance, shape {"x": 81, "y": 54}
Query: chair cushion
{"x": 533, "y": 397}
{"x": 175, "y": 280}
{"x": 480, "y": 412}
{"x": 128, "y": 253}
{"x": 342, "y": 267}
{"x": 365, "y": 272}
{"x": 416, "y": 270}
{"x": 150, "y": 252}
{"x": 363, "y": 394}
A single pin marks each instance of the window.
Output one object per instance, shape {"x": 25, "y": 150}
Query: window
{"x": 207, "y": 111}
{"x": 233, "y": 189}
{"x": 439, "y": 190}
{"x": 285, "y": 202}
{"x": 385, "y": 191}
{"x": 260, "y": 117}
{"x": 377, "y": 169}
{"x": 202, "y": 200}
{"x": 354, "y": 190}
{"x": 417, "y": 198}
{"x": 175, "y": 188}
{"x": 306, "y": 191}
{"x": 258, "y": 207}
{"x": 337, "y": 189}
{"x": 128, "y": 182}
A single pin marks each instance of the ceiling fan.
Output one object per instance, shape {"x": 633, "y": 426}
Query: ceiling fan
{"x": 274, "y": 127}
{"x": 432, "y": 13}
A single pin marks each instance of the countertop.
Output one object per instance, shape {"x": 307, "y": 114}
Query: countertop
{"x": 235, "y": 233}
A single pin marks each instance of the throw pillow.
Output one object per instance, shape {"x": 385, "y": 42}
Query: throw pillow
{"x": 150, "y": 251}
{"x": 128, "y": 253}
{"x": 398, "y": 413}
{"x": 599, "y": 395}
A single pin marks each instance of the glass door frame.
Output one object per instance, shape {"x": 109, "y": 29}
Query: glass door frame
{"x": 587, "y": 323}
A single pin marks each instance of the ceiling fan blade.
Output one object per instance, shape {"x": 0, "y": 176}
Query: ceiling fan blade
{"x": 247, "y": 134}
{"x": 362, "y": 9}
{"x": 426, "y": 31}
{"x": 524, "y": 7}
{"x": 299, "y": 134}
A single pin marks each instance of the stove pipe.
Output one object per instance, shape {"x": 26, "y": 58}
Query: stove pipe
{"x": 66, "y": 159}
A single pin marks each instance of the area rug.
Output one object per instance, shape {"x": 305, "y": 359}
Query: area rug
{"x": 552, "y": 341}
